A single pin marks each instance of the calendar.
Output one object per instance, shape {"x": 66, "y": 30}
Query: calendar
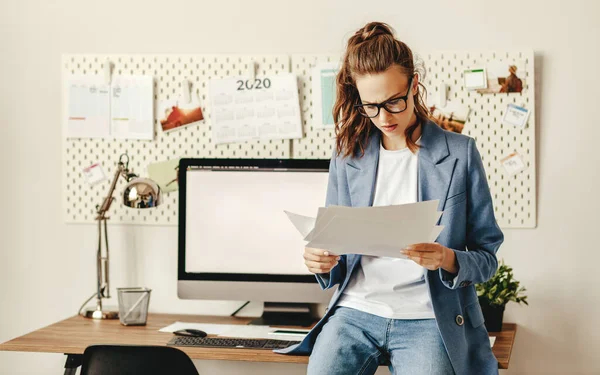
{"x": 261, "y": 108}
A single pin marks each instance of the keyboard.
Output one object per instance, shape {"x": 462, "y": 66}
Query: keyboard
{"x": 225, "y": 342}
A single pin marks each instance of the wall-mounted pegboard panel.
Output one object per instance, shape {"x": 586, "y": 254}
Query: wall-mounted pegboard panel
{"x": 80, "y": 199}
{"x": 514, "y": 196}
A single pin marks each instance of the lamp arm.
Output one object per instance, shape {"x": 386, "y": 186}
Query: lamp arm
{"x": 105, "y": 206}
{"x": 103, "y": 286}
{"x": 144, "y": 193}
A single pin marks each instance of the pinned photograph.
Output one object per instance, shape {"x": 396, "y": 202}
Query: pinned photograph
{"x": 177, "y": 114}
{"x": 452, "y": 116}
{"x": 513, "y": 163}
{"x": 515, "y": 116}
{"x": 165, "y": 174}
{"x": 503, "y": 77}
{"x": 94, "y": 174}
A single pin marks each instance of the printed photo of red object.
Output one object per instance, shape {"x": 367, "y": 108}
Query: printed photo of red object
{"x": 176, "y": 117}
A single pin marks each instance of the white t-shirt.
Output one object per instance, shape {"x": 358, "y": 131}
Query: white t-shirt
{"x": 389, "y": 287}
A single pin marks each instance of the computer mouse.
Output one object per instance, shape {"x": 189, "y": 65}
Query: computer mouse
{"x": 190, "y": 332}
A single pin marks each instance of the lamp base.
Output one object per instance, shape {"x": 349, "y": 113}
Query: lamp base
{"x": 107, "y": 312}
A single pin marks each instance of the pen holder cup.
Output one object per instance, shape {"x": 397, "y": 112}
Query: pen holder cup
{"x": 133, "y": 305}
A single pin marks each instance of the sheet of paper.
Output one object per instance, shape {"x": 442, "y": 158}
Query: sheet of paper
{"x": 248, "y": 331}
{"x": 364, "y": 236}
{"x": 303, "y": 224}
{"x": 323, "y": 94}
{"x": 475, "y": 79}
{"x": 165, "y": 174}
{"x": 132, "y": 107}
{"x": 263, "y": 108}
{"x": 94, "y": 174}
{"x": 211, "y": 329}
{"x": 515, "y": 116}
{"x": 235, "y": 330}
{"x": 259, "y": 332}
{"x": 87, "y": 107}
{"x": 435, "y": 232}
{"x": 376, "y": 231}
{"x": 492, "y": 340}
{"x": 417, "y": 213}
{"x": 513, "y": 163}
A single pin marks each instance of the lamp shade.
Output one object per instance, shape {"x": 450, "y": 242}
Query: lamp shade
{"x": 142, "y": 193}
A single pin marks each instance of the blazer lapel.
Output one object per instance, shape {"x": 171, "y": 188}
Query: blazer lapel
{"x": 362, "y": 173}
{"x": 435, "y": 167}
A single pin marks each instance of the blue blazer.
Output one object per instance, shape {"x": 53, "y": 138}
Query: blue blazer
{"x": 449, "y": 169}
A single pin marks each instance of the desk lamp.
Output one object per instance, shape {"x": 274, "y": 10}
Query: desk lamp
{"x": 139, "y": 193}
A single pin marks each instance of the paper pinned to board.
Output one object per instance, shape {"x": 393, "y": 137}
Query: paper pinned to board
{"x": 87, "y": 107}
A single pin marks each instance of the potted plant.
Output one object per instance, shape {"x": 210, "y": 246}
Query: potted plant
{"x": 495, "y": 293}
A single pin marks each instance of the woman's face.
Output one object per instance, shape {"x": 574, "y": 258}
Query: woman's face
{"x": 377, "y": 88}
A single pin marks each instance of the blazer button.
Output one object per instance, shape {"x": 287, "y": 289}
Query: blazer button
{"x": 460, "y": 320}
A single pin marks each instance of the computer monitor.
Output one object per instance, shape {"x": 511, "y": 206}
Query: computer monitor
{"x": 235, "y": 240}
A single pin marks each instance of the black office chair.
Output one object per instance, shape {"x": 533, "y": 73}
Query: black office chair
{"x": 136, "y": 360}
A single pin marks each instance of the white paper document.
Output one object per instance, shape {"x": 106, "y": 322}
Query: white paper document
{"x": 323, "y": 94}
{"x": 377, "y": 231}
{"x": 122, "y": 109}
{"x": 236, "y": 330}
{"x": 132, "y": 107}
{"x": 87, "y": 107}
{"x": 262, "y": 108}
{"x": 304, "y": 224}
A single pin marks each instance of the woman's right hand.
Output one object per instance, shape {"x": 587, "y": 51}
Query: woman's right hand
{"x": 319, "y": 261}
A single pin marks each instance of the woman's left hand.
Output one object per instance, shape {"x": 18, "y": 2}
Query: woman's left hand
{"x": 432, "y": 256}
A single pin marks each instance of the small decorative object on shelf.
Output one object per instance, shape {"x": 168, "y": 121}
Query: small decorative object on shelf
{"x": 495, "y": 293}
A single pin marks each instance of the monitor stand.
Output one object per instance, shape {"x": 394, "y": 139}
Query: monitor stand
{"x": 286, "y": 314}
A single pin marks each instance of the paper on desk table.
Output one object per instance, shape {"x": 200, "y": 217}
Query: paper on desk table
{"x": 211, "y": 329}
{"x": 415, "y": 214}
{"x": 234, "y": 330}
{"x": 259, "y": 332}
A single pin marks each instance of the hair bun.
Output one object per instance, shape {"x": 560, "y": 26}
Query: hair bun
{"x": 374, "y": 29}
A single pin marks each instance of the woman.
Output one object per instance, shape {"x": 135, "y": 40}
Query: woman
{"x": 419, "y": 315}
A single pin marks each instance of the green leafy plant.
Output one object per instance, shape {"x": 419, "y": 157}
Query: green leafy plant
{"x": 501, "y": 288}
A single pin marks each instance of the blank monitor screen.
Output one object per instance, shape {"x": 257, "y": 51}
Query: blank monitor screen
{"x": 235, "y": 227}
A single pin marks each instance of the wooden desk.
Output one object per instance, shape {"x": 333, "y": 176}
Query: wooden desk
{"x": 71, "y": 336}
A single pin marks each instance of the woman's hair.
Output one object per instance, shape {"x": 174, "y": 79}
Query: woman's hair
{"x": 372, "y": 49}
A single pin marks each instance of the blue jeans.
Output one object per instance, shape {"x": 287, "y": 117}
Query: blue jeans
{"x": 354, "y": 342}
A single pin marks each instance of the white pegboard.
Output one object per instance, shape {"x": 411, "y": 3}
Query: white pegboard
{"x": 168, "y": 71}
{"x": 514, "y": 196}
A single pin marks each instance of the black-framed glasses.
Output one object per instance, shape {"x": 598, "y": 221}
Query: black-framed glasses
{"x": 393, "y": 105}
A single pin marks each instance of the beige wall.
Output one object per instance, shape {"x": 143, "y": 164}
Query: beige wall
{"x": 46, "y": 266}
